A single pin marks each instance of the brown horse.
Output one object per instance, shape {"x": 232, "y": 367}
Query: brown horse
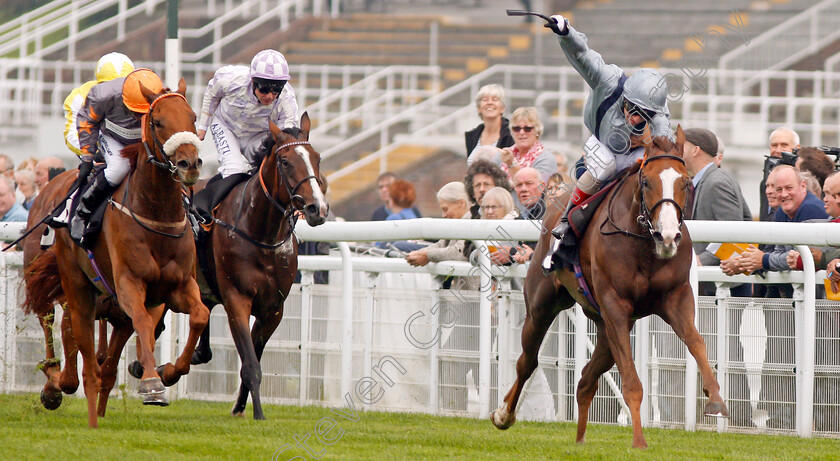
{"x": 635, "y": 257}
{"x": 250, "y": 256}
{"x": 145, "y": 253}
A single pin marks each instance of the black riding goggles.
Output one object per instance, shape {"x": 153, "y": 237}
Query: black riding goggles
{"x": 634, "y": 109}
{"x": 265, "y": 86}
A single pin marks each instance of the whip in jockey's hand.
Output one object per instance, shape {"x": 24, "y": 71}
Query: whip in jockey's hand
{"x": 558, "y": 25}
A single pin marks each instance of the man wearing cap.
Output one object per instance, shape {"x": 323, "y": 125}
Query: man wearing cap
{"x": 617, "y": 111}
{"x": 237, "y": 106}
{"x": 717, "y": 195}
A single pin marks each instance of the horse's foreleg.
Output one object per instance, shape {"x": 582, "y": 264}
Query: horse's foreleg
{"x": 132, "y": 293}
{"x": 51, "y": 393}
{"x": 682, "y": 321}
{"x": 119, "y": 337}
{"x": 188, "y": 301}
{"x": 541, "y": 311}
{"x": 238, "y": 307}
{"x": 83, "y": 320}
{"x": 203, "y": 352}
{"x": 617, "y": 324}
{"x": 601, "y": 361}
{"x": 260, "y": 334}
{"x": 102, "y": 346}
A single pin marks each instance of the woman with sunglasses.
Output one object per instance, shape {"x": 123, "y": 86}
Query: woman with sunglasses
{"x": 617, "y": 111}
{"x": 527, "y": 150}
{"x": 237, "y": 106}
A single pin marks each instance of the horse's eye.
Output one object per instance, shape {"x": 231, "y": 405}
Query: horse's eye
{"x": 645, "y": 183}
{"x": 284, "y": 162}
{"x": 158, "y": 124}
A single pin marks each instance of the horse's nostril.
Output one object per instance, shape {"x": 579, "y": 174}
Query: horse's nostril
{"x": 678, "y": 238}
{"x": 199, "y": 163}
{"x": 657, "y": 236}
{"x": 183, "y": 164}
{"x": 311, "y": 210}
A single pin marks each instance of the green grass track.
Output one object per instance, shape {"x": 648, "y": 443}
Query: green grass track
{"x": 203, "y": 430}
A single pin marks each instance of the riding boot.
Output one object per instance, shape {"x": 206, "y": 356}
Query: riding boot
{"x": 562, "y": 228}
{"x": 98, "y": 191}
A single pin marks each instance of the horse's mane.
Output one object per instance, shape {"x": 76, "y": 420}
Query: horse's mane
{"x": 132, "y": 152}
{"x": 294, "y": 131}
{"x": 663, "y": 143}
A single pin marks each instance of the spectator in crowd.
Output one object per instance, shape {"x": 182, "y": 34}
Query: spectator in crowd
{"x": 25, "y": 180}
{"x": 42, "y": 170}
{"x": 454, "y": 204}
{"x": 28, "y": 164}
{"x": 529, "y": 189}
{"x": 498, "y": 204}
{"x": 562, "y": 166}
{"x": 402, "y": 196}
{"x": 717, "y": 196}
{"x": 719, "y": 155}
{"x": 796, "y": 204}
{"x": 824, "y": 258}
{"x": 383, "y": 183}
{"x": 812, "y": 183}
{"x": 527, "y": 150}
{"x": 494, "y": 128}
{"x": 481, "y": 177}
{"x": 10, "y": 210}
{"x": 7, "y": 165}
{"x": 815, "y": 162}
{"x": 782, "y": 139}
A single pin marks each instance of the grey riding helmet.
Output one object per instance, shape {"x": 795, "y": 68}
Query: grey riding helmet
{"x": 647, "y": 90}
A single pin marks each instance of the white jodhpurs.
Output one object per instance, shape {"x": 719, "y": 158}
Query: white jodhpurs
{"x": 603, "y": 164}
{"x": 235, "y": 155}
{"x": 117, "y": 166}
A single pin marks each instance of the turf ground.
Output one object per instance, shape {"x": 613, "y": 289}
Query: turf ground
{"x": 204, "y": 430}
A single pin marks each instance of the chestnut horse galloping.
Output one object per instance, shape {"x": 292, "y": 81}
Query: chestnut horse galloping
{"x": 635, "y": 257}
{"x": 145, "y": 253}
{"x": 250, "y": 256}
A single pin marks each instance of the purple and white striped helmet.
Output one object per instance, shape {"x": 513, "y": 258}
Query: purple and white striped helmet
{"x": 270, "y": 65}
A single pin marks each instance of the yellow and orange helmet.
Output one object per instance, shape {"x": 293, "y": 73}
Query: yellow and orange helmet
{"x": 132, "y": 96}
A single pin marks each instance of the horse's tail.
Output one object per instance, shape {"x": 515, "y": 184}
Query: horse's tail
{"x": 43, "y": 285}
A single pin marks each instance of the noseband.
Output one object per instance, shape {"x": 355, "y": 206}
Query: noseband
{"x": 166, "y": 149}
{"x": 645, "y": 212}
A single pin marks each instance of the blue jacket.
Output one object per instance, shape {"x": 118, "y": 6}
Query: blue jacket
{"x": 16, "y": 214}
{"x": 810, "y": 208}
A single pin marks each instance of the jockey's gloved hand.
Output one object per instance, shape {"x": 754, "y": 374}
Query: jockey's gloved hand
{"x": 84, "y": 170}
{"x": 558, "y": 25}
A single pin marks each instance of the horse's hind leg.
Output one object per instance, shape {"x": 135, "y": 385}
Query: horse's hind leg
{"x": 252, "y": 372}
{"x": 541, "y": 311}
{"x": 119, "y": 337}
{"x": 600, "y": 362}
{"x": 51, "y": 393}
{"x": 69, "y": 379}
{"x": 682, "y": 321}
{"x": 102, "y": 346}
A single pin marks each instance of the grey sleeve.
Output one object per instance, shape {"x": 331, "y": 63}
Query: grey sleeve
{"x": 546, "y": 164}
{"x": 588, "y": 62}
{"x": 777, "y": 259}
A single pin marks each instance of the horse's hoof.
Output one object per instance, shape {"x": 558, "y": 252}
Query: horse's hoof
{"x": 51, "y": 400}
{"x": 501, "y": 418}
{"x": 200, "y": 357}
{"x": 151, "y": 386}
{"x": 716, "y": 410}
{"x": 135, "y": 369}
{"x": 236, "y": 413}
{"x": 160, "y": 371}
{"x": 155, "y": 399}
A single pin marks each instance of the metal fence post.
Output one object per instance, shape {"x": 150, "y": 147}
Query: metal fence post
{"x": 307, "y": 279}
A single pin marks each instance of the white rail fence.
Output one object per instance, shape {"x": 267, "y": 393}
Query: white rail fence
{"x": 453, "y": 351}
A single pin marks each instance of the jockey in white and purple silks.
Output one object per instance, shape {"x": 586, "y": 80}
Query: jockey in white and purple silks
{"x": 617, "y": 109}
{"x": 237, "y": 106}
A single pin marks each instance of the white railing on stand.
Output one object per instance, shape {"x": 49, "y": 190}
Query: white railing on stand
{"x": 785, "y": 44}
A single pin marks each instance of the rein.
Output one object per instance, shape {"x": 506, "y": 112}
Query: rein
{"x": 644, "y": 212}
{"x": 166, "y": 150}
{"x": 288, "y": 209}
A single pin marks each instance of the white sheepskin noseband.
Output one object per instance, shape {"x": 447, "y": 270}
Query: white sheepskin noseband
{"x": 178, "y": 139}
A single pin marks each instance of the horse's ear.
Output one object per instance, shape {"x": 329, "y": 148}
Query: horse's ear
{"x": 147, "y": 93}
{"x": 305, "y": 125}
{"x": 182, "y": 87}
{"x": 680, "y": 139}
{"x": 276, "y": 132}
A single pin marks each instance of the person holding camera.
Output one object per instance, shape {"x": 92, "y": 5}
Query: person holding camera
{"x": 783, "y": 141}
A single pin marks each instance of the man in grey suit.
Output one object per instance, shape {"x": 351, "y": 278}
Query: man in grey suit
{"x": 717, "y": 195}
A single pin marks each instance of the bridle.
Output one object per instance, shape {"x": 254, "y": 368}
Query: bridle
{"x": 288, "y": 209}
{"x": 645, "y": 212}
{"x": 166, "y": 149}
